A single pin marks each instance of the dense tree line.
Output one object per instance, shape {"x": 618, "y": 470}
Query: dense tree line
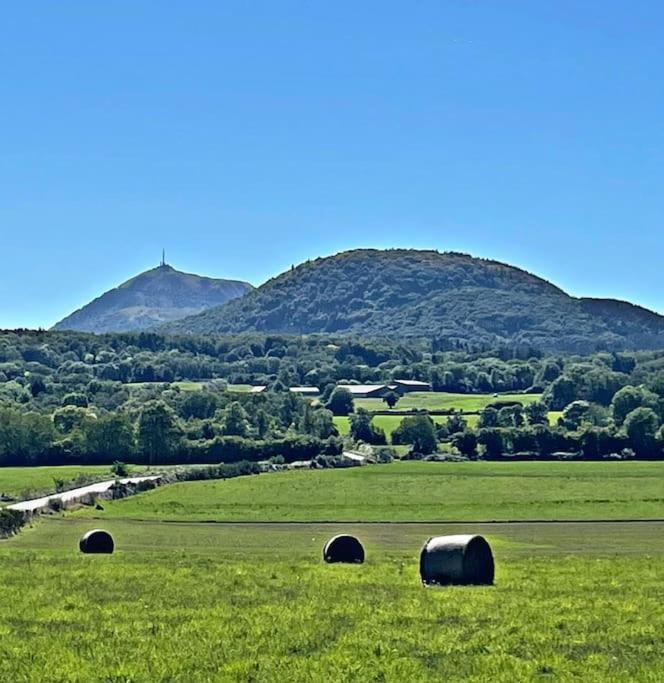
{"x": 70, "y": 397}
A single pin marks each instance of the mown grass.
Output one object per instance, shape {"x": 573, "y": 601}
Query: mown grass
{"x": 15, "y": 480}
{"x": 390, "y": 422}
{"x": 438, "y": 400}
{"x": 415, "y": 491}
{"x": 202, "y": 602}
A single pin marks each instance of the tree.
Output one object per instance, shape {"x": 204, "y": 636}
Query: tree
{"x": 341, "y": 402}
{"x": 511, "y": 416}
{"x": 417, "y": 430}
{"x": 235, "y": 421}
{"x": 537, "y": 413}
{"x": 158, "y": 431}
{"x": 362, "y": 429}
{"x": 262, "y": 422}
{"x": 391, "y": 398}
{"x": 323, "y": 424}
{"x": 200, "y": 405}
{"x": 465, "y": 443}
{"x": 75, "y": 399}
{"x": 560, "y": 393}
{"x": 630, "y": 398}
{"x": 110, "y": 435}
{"x": 492, "y": 440}
{"x": 488, "y": 418}
{"x": 641, "y": 427}
{"x": 67, "y": 419}
{"x": 37, "y": 386}
{"x": 575, "y": 414}
{"x": 456, "y": 424}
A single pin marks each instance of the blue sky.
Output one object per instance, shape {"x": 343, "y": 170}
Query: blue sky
{"x": 245, "y": 137}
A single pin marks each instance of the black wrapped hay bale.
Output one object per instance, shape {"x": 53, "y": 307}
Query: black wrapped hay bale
{"x": 96, "y": 541}
{"x": 464, "y": 559}
{"x": 343, "y": 548}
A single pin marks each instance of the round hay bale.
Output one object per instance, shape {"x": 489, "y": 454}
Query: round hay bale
{"x": 464, "y": 559}
{"x": 96, "y": 541}
{"x": 343, "y": 548}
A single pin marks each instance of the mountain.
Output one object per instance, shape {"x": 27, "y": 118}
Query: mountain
{"x": 156, "y": 296}
{"x": 453, "y": 297}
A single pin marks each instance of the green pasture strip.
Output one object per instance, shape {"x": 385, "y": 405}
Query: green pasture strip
{"x": 255, "y": 602}
{"x": 414, "y": 491}
{"x": 389, "y": 423}
{"x": 438, "y": 400}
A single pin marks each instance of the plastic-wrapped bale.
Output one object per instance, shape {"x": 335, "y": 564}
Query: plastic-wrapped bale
{"x": 463, "y": 559}
{"x": 96, "y": 541}
{"x": 343, "y": 548}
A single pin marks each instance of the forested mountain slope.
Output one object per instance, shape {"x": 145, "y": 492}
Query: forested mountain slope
{"x": 453, "y": 297}
{"x": 156, "y": 296}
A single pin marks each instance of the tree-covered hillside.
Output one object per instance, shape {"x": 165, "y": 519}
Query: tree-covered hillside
{"x": 156, "y": 296}
{"x": 452, "y": 297}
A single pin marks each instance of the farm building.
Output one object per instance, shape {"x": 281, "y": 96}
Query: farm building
{"x": 366, "y": 390}
{"x": 305, "y": 391}
{"x": 258, "y": 389}
{"x": 407, "y": 385}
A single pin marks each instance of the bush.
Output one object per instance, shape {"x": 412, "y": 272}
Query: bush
{"x": 120, "y": 469}
{"x": 11, "y": 522}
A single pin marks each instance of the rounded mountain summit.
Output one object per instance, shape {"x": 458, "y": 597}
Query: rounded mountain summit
{"x": 451, "y": 297}
{"x": 157, "y": 296}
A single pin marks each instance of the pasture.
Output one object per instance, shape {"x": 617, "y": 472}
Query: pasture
{"x": 204, "y": 600}
{"x": 413, "y": 492}
{"x": 16, "y": 480}
{"x": 238, "y": 602}
{"x": 438, "y": 400}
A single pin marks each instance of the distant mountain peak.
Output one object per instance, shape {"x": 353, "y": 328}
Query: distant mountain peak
{"x": 159, "y": 295}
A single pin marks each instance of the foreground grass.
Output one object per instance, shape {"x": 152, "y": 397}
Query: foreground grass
{"x": 414, "y": 491}
{"x": 201, "y": 602}
{"x": 15, "y": 480}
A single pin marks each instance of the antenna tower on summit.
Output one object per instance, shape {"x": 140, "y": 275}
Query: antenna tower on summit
{"x": 163, "y": 258}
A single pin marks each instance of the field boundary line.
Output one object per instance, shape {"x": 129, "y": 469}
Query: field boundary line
{"x": 654, "y": 520}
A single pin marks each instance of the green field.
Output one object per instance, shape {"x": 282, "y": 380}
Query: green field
{"x": 16, "y": 480}
{"x": 390, "y": 422}
{"x": 438, "y": 400}
{"x": 414, "y": 491}
{"x": 216, "y": 602}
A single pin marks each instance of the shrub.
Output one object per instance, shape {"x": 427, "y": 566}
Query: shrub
{"x": 120, "y": 469}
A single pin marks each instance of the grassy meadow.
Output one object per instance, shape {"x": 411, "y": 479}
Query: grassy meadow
{"x": 413, "y": 492}
{"x": 439, "y": 400}
{"x": 233, "y": 602}
{"x": 211, "y": 600}
{"x": 16, "y": 480}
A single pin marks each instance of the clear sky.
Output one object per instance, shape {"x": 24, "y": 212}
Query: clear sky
{"x": 248, "y": 136}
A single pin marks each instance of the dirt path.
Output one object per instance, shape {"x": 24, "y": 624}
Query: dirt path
{"x": 74, "y": 494}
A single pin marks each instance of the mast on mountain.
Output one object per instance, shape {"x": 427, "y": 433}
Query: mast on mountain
{"x": 163, "y": 258}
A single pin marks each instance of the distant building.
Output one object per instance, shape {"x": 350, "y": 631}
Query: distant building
{"x": 258, "y": 389}
{"x": 407, "y": 385}
{"x": 305, "y": 391}
{"x": 366, "y": 390}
